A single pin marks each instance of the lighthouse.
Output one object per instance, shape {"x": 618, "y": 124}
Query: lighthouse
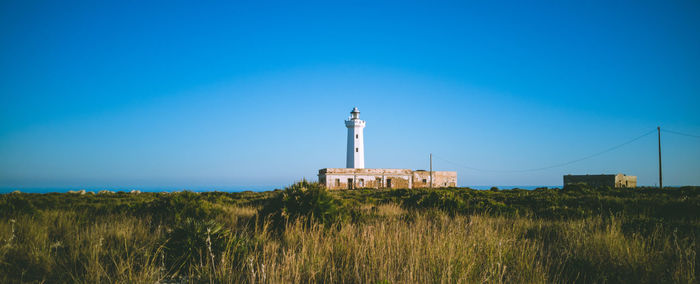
{"x": 354, "y": 175}
{"x": 356, "y": 145}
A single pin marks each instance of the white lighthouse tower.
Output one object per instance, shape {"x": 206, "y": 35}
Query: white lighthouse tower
{"x": 356, "y": 145}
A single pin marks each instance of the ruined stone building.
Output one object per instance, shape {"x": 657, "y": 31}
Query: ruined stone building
{"x": 618, "y": 180}
{"x": 356, "y": 176}
{"x": 334, "y": 178}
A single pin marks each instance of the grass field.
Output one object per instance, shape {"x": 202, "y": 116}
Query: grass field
{"x": 306, "y": 234}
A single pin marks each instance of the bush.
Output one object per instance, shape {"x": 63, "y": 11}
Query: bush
{"x": 193, "y": 242}
{"x": 15, "y": 204}
{"x": 177, "y": 207}
{"x": 304, "y": 199}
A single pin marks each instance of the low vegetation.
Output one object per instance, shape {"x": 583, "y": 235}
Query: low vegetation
{"x": 307, "y": 234}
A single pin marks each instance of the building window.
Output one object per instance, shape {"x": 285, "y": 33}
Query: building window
{"x": 337, "y": 182}
{"x": 425, "y": 181}
{"x": 388, "y": 183}
{"x": 357, "y": 136}
{"x": 361, "y": 183}
{"x": 357, "y": 150}
{"x": 349, "y": 183}
{"x": 378, "y": 182}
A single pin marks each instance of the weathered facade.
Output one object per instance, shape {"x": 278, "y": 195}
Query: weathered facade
{"x": 618, "y": 180}
{"x": 349, "y": 178}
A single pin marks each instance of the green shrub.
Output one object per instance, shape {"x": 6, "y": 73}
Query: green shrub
{"x": 177, "y": 207}
{"x": 304, "y": 199}
{"x": 14, "y": 204}
{"x": 194, "y": 242}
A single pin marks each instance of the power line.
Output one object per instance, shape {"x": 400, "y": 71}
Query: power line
{"x": 680, "y": 133}
{"x": 555, "y": 165}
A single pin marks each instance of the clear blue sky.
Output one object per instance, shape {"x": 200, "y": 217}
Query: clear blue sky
{"x": 187, "y": 94}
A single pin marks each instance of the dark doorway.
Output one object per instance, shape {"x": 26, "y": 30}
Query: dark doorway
{"x": 349, "y": 183}
{"x": 388, "y": 183}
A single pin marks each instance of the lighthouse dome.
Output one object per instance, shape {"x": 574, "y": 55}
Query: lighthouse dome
{"x": 355, "y": 113}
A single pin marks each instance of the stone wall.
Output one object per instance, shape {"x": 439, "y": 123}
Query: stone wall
{"x": 348, "y": 178}
{"x": 440, "y": 179}
{"x": 625, "y": 181}
{"x": 618, "y": 180}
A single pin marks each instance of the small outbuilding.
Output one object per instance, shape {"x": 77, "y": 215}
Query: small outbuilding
{"x": 610, "y": 180}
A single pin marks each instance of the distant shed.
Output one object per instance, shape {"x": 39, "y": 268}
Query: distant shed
{"x": 611, "y": 180}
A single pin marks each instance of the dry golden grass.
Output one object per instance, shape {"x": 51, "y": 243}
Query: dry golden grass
{"x": 434, "y": 247}
{"x": 58, "y": 246}
{"x": 426, "y": 249}
{"x": 235, "y": 216}
{"x": 240, "y": 211}
{"x": 398, "y": 246}
{"x": 390, "y": 210}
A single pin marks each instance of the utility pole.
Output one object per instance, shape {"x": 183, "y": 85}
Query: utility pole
{"x": 661, "y": 184}
{"x": 431, "y": 170}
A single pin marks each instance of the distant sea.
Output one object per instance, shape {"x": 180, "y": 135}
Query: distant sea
{"x": 256, "y": 188}
{"x": 142, "y": 189}
{"x": 528, "y": 187}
